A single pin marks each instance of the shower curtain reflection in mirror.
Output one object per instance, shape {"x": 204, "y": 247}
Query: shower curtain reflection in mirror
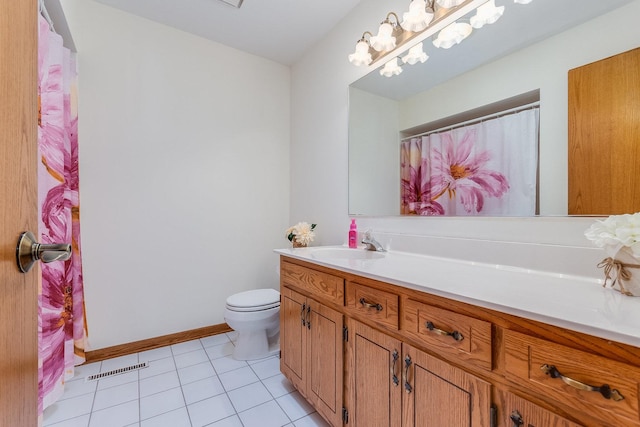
{"x": 486, "y": 168}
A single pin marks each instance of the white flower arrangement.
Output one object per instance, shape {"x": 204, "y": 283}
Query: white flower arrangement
{"x": 616, "y": 232}
{"x": 301, "y": 233}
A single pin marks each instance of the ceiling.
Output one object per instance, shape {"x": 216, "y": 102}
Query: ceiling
{"x": 280, "y": 30}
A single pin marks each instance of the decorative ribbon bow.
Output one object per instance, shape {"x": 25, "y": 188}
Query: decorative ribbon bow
{"x": 621, "y": 273}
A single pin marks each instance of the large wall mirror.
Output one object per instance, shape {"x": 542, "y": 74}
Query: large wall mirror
{"x": 529, "y": 50}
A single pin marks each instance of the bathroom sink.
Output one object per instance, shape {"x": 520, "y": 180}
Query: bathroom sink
{"x": 345, "y": 253}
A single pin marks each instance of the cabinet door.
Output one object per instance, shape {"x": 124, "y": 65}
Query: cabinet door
{"x": 293, "y": 338}
{"x": 517, "y": 412}
{"x": 374, "y": 368}
{"x": 325, "y": 362}
{"x": 439, "y": 394}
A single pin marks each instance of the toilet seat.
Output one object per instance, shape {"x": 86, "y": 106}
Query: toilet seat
{"x": 255, "y": 300}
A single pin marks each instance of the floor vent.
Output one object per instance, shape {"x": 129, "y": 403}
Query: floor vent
{"x": 118, "y": 371}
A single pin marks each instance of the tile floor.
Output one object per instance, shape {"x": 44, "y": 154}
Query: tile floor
{"x": 191, "y": 384}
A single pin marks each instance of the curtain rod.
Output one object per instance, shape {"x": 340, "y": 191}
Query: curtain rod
{"x": 470, "y": 122}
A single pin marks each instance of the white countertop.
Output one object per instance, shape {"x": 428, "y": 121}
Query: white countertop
{"x": 576, "y": 303}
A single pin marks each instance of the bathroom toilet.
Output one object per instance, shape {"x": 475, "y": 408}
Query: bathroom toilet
{"x": 255, "y": 316}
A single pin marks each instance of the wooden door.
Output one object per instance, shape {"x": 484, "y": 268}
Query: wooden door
{"x": 375, "y": 377}
{"x": 325, "y": 363}
{"x": 18, "y": 211}
{"x": 604, "y": 136}
{"x": 439, "y": 394}
{"x": 293, "y": 338}
{"x": 515, "y": 411}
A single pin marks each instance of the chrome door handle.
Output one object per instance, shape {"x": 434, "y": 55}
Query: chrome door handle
{"x": 28, "y": 251}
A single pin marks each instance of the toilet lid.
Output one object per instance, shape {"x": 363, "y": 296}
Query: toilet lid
{"x": 258, "y": 299}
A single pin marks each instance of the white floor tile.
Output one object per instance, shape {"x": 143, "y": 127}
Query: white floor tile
{"x": 78, "y": 387}
{"x": 249, "y": 396}
{"x": 68, "y": 408}
{"x": 155, "y": 354}
{"x": 203, "y": 389}
{"x": 175, "y": 418}
{"x": 278, "y": 385}
{"x": 233, "y": 421}
{"x": 82, "y": 421}
{"x": 83, "y": 371}
{"x": 221, "y": 350}
{"x": 159, "y": 366}
{"x": 115, "y": 395}
{"x": 238, "y": 378}
{"x": 266, "y": 368}
{"x": 116, "y": 416}
{"x": 311, "y": 420}
{"x": 226, "y": 364}
{"x": 266, "y": 415}
{"x": 159, "y": 383}
{"x": 195, "y": 372}
{"x": 294, "y": 405}
{"x": 159, "y": 403}
{"x": 210, "y": 410}
{"x": 186, "y": 347}
{"x": 214, "y": 340}
{"x": 191, "y": 358}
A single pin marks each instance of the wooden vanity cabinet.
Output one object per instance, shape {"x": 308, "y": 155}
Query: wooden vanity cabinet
{"x": 312, "y": 352}
{"x": 412, "y": 359}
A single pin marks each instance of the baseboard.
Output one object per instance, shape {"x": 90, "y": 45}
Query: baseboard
{"x": 151, "y": 343}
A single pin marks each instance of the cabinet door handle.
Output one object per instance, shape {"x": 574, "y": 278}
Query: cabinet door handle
{"x": 455, "y": 334}
{"x": 308, "y": 317}
{"x": 604, "y": 389}
{"x": 304, "y": 322}
{"x": 394, "y": 362}
{"x": 367, "y": 304}
{"x": 407, "y": 364}
{"x": 516, "y": 419}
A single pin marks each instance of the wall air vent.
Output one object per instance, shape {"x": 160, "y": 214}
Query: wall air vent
{"x": 118, "y": 371}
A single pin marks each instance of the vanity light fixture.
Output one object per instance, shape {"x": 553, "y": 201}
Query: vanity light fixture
{"x": 418, "y": 18}
{"x": 488, "y": 13}
{"x": 449, "y": 3}
{"x": 391, "y": 68}
{"x": 416, "y": 54}
{"x": 452, "y": 34}
{"x": 361, "y": 56}
{"x": 385, "y": 39}
{"x": 522, "y": 1}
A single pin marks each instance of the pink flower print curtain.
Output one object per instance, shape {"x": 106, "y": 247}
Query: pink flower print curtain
{"x": 61, "y": 321}
{"x": 488, "y": 168}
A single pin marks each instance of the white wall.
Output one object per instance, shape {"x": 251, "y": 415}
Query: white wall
{"x": 184, "y": 170}
{"x": 319, "y": 123}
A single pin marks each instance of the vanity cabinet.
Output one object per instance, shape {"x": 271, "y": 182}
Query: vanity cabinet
{"x": 410, "y": 358}
{"x": 312, "y": 350}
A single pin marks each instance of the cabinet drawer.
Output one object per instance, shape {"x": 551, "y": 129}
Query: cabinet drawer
{"x": 449, "y": 333}
{"x": 323, "y": 285}
{"x": 375, "y": 304}
{"x": 527, "y": 359}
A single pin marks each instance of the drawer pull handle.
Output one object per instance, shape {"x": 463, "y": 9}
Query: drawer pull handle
{"x": 604, "y": 389}
{"x": 455, "y": 334}
{"x": 394, "y": 362}
{"x": 367, "y": 304}
{"x": 407, "y": 364}
{"x": 304, "y": 322}
{"x": 516, "y": 419}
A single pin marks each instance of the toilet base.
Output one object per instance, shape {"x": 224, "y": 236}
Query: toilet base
{"x": 255, "y": 345}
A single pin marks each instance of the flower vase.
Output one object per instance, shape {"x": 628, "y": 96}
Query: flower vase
{"x": 297, "y": 244}
{"x": 622, "y": 271}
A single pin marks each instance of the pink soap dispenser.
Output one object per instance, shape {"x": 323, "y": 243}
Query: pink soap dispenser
{"x": 353, "y": 234}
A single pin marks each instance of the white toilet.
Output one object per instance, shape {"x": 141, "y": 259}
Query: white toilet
{"x": 255, "y": 316}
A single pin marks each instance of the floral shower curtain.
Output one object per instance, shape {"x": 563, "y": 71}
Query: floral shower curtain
{"x": 61, "y": 319}
{"x": 488, "y": 168}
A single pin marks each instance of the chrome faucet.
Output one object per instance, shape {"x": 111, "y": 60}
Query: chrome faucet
{"x": 372, "y": 244}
